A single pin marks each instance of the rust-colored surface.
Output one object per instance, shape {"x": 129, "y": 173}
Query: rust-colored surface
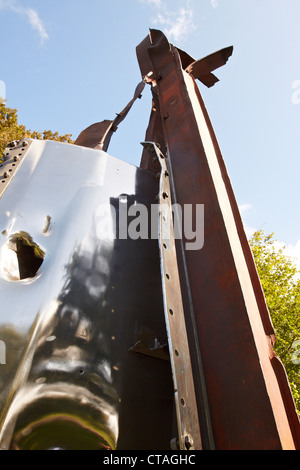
{"x": 243, "y": 395}
{"x": 95, "y": 135}
{"x": 242, "y": 392}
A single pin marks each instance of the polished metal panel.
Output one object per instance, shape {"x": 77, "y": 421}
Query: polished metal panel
{"x": 71, "y": 379}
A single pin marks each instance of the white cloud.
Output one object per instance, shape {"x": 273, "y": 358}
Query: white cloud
{"x": 244, "y": 208}
{"x": 2, "y": 91}
{"x": 291, "y": 250}
{"x": 176, "y": 24}
{"x": 180, "y": 24}
{"x": 214, "y": 3}
{"x": 31, "y": 15}
{"x": 157, "y": 3}
{"x": 36, "y": 23}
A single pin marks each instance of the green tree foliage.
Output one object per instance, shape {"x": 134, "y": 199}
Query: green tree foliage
{"x": 10, "y": 129}
{"x": 280, "y": 281}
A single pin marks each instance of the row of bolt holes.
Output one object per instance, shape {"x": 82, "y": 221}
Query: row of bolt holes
{"x": 13, "y": 164}
{"x": 165, "y": 195}
{"x": 4, "y": 179}
{"x": 182, "y": 401}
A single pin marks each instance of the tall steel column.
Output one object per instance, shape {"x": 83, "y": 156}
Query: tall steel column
{"x": 244, "y": 399}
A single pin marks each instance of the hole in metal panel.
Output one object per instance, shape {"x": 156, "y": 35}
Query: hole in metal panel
{"x": 20, "y": 257}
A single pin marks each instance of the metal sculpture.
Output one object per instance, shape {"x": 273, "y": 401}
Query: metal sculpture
{"x": 122, "y": 337}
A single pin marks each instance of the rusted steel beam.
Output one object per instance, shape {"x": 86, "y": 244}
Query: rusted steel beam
{"x": 244, "y": 399}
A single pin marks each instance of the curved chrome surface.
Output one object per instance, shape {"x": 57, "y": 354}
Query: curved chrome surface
{"x": 70, "y": 380}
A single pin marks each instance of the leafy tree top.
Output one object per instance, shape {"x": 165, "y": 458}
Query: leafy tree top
{"x": 280, "y": 281}
{"x": 10, "y": 129}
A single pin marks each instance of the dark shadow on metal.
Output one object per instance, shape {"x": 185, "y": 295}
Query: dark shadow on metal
{"x": 88, "y": 383}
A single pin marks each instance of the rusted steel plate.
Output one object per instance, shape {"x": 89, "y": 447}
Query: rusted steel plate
{"x": 250, "y": 402}
{"x": 202, "y": 68}
{"x": 95, "y": 135}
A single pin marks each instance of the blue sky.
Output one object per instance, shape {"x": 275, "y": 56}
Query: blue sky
{"x": 66, "y": 64}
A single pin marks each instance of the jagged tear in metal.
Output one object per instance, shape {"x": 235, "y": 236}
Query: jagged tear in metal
{"x": 116, "y": 342}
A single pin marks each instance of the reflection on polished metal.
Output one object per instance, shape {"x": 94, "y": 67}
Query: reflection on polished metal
{"x": 71, "y": 380}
